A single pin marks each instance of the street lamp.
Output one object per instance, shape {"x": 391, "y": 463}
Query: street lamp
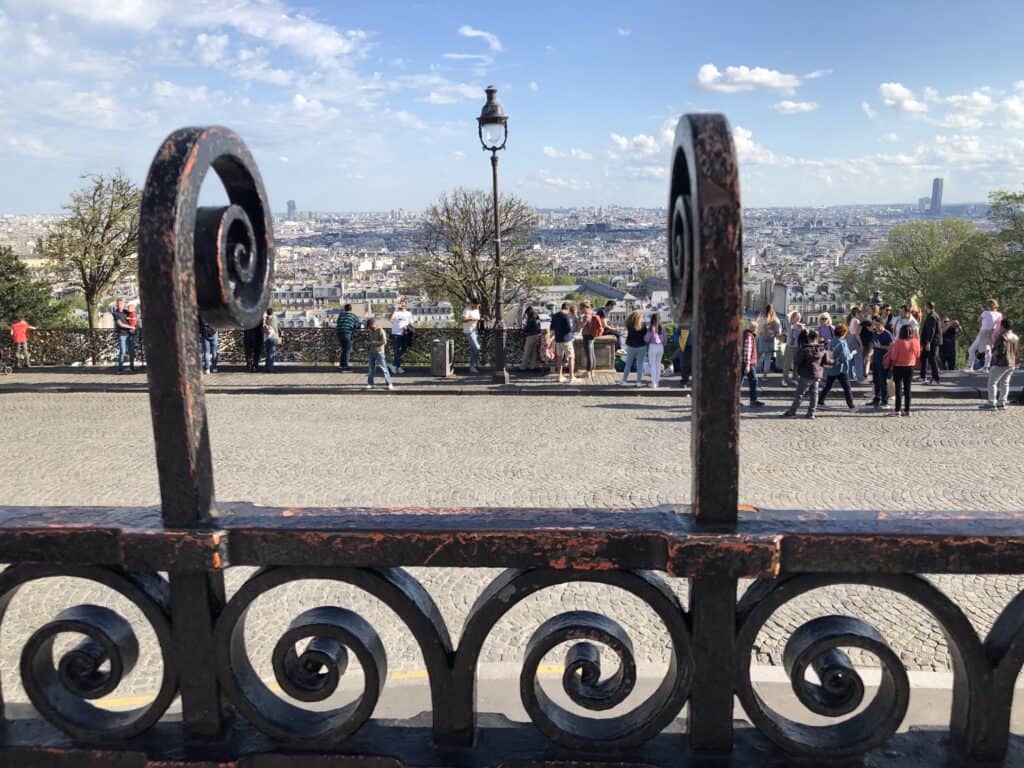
{"x": 493, "y": 129}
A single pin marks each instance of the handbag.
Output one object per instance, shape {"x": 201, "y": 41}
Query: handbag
{"x": 887, "y": 360}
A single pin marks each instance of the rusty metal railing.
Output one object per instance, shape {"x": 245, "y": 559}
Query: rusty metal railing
{"x": 170, "y": 562}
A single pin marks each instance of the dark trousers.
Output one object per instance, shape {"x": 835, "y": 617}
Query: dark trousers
{"x": 617, "y": 335}
{"x": 588, "y": 352}
{"x": 345, "y": 341}
{"x": 685, "y": 364}
{"x": 928, "y": 358}
{"x": 903, "y": 375}
{"x": 880, "y": 377}
{"x": 400, "y": 344}
{"x": 948, "y": 359}
{"x": 253, "y": 344}
{"x": 751, "y": 377}
{"x": 844, "y": 382}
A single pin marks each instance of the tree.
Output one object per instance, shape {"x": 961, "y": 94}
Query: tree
{"x": 96, "y": 244}
{"x": 456, "y": 259}
{"x": 23, "y": 297}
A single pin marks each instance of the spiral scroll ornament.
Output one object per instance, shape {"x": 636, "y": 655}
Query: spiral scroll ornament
{"x": 61, "y": 689}
{"x": 818, "y": 646}
{"x": 312, "y": 656}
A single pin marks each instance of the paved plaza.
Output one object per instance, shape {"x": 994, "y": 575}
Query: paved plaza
{"x": 96, "y": 449}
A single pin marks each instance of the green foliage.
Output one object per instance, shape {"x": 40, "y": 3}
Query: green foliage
{"x": 96, "y": 244}
{"x": 23, "y": 297}
{"x": 456, "y": 259}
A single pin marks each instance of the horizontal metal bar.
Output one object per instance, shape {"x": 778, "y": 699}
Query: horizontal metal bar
{"x": 761, "y": 543}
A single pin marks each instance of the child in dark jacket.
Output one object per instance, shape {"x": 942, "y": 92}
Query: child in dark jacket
{"x": 811, "y": 360}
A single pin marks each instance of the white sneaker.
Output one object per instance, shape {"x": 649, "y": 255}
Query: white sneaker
{"x": 401, "y": 370}
{"x": 619, "y": 382}
{"x": 561, "y": 379}
{"x": 390, "y": 387}
{"x": 369, "y": 386}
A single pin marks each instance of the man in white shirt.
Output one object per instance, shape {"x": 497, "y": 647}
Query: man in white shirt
{"x": 470, "y": 319}
{"x": 905, "y": 318}
{"x": 401, "y": 319}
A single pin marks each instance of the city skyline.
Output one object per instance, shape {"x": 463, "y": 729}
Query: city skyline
{"x": 372, "y": 109}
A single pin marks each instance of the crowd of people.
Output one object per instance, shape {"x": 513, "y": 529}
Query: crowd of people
{"x": 890, "y": 347}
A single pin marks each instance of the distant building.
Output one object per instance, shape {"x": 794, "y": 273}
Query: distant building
{"x": 936, "y": 196}
{"x": 924, "y": 203}
{"x": 291, "y": 209}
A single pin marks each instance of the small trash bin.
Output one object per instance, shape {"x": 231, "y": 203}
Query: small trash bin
{"x": 442, "y": 356}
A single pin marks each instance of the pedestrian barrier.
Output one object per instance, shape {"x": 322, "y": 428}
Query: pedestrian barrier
{"x": 170, "y": 563}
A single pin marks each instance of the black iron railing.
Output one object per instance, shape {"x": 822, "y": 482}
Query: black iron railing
{"x": 170, "y": 562}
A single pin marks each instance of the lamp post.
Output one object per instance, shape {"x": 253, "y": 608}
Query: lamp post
{"x": 493, "y": 129}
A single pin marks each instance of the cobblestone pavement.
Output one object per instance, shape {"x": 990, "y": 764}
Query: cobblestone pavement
{"x": 88, "y": 449}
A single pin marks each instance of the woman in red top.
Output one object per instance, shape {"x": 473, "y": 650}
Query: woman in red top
{"x": 903, "y": 356}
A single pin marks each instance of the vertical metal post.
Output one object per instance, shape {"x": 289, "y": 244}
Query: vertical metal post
{"x": 500, "y": 369}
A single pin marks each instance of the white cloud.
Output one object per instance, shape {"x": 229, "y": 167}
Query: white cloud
{"x": 657, "y": 172}
{"x": 551, "y": 152}
{"x": 898, "y": 96}
{"x": 620, "y": 141}
{"x": 534, "y": 87}
{"x": 32, "y": 146}
{"x": 458, "y": 154}
{"x": 742, "y": 78}
{"x": 1013, "y": 106}
{"x": 868, "y": 110}
{"x": 1019, "y": 85}
{"x": 169, "y": 94}
{"x": 787, "y": 107}
{"x": 574, "y": 152}
{"x": 492, "y": 40}
{"x": 283, "y": 159}
{"x": 570, "y": 184}
{"x": 210, "y": 48}
{"x": 438, "y": 89}
{"x": 481, "y": 59}
{"x": 818, "y": 73}
{"x": 892, "y": 138}
{"x": 624, "y": 31}
{"x": 579, "y": 154}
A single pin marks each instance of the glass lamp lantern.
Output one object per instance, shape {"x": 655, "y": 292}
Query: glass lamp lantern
{"x": 493, "y": 122}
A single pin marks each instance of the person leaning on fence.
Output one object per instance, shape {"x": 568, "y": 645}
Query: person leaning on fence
{"x": 531, "y": 341}
{"x": 561, "y": 325}
{"x": 348, "y": 324}
{"x": 592, "y": 327}
{"x": 605, "y": 313}
{"x": 842, "y": 366}
{"x": 376, "y": 346}
{"x": 1005, "y": 356}
{"x": 271, "y": 337}
{"x": 750, "y": 351}
{"x": 401, "y": 332}
{"x": 125, "y": 336}
{"x": 470, "y": 321}
{"x": 810, "y": 367}
{"x": 19, "y": 338}
{"x": 792, "y": 347}
{"x": 636, "y": 347}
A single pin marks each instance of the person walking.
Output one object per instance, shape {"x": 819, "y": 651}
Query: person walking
{"x": 271, "y": 338}
{"x": 125, "y": 336}
{"x": 344, "y": 328}
{"x": 561, "y": 326}
{"x": 1005, "y": 356}
{"x": 655, "y": 337}
{"x": 771, "y": 330}
{"x": 826, "y": 332}
{"x": 470, "y": 321}
{"x": 592, "y": 327}
{"x": 931, "y": 340}
{"x": 810, "y": 365}
{"x": 902, "y": 359}
{"x": 19, "y": 339}
{"x": 252, "y": 342}
{"x": 982, "y": 344}
{"x": 842, "y": 366}
{"x": 531, "y": 341}
{"x": 636, "y": 347}
{"x": 401, "y": 319}
{"x": 950, "y": 330}
{"x": 881, "y": 341}
{"x": 792, "y": 347}
{"x": 209, "y": 338}
{"x": 750, "y": 351}
{"x": 376, "y": 346}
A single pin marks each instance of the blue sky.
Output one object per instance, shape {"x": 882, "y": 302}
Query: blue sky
{"x": 371, "y": 106}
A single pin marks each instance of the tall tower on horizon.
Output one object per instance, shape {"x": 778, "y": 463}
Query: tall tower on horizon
{"x": 291, "y": 208}
{"x": 936, "y": 196}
